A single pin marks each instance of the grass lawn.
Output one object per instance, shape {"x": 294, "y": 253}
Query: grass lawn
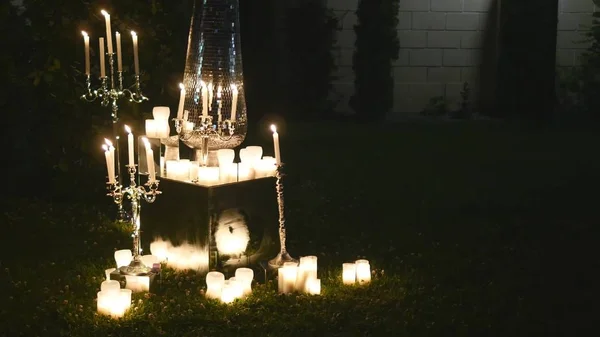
{"x": 473, "y": 228}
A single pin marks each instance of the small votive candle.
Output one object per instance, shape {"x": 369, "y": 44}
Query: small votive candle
{"x": 348, "y": 273}
{"x": 245, "y": 172}
{"x": 208, "y": 176}
{"x": 214, "y": 284}
{"x": 228, "y": 173}
{"x": 228, "y": 292}
{"x": 307, "y": 270}
{"x": 313, "y": 286}
{"x": 123, "y": 257}
{"x": 363, "y": 271}
{"x": 238, "y": 289}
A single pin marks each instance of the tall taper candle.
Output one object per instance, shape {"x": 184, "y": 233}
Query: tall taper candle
{"x": 119, "y": 56}
{"x": 210, "y": 95}
{"x": 150, "y": 161}
{"x": 107, "y": 157}
{"x": 276, "y": 144}
{"x": 110, "y": 161}
{"x": 234, "y": 100}
{"x": 108, "y": 31}
{"x": 204, "y": 99}
{"x": 129, "y": 145}
{"x": 136, "y": 60}
{"x": 102, "y": 56}
{"x": 181, "y": 101}
{"x": 86, "y": 41}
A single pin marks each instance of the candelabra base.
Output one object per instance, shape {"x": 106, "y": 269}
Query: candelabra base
{"x": 280, "y": 259}
{"x": 135, "y": 268}
{"x": 153, "y": 280}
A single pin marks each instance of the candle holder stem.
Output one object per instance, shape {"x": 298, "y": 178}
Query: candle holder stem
{"x": 283, "y": 255}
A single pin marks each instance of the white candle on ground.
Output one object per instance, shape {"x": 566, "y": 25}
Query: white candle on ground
{"x": 290, "y": 273}
{"x": 204, "y": 99}
{"x": 313, "y": 286}
{"x": 363, "y": 271}
{"x": 228, "y": 292}
{"x": 101, "y": 52}
{"x": 108, "y": 30}
{"x": 181, "y": 101}
{"x": 276, "y": 144}
{"x": 86, "y": 42}
{"x": 150, "y": 161}
{"x": 136, "y": 60}
{"x": 348, "y": 273}
{"x": 137, "y": 283}
{"x": 130, "y": 145}
{"x": 119, "y": 56}
{"x": 245, "y": 277}
{"x": 234, "y": 99}
{"x": 307, "y": 271}
{"x": 214, "y": 284}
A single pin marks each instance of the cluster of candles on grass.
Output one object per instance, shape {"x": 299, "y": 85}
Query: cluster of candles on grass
{"x": 252, "y": 165}
{"x": 227, "y": 291}
{"x": 109, "y": 45}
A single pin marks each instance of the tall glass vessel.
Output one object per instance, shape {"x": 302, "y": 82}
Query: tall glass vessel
{"x": 213, "y": 78}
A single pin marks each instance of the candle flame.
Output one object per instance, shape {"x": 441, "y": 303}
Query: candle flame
{"x": 108, "y": 142}
{"x": 127, "y": 129}
{"x": 181, "y": 86}
{"x": 105, "y": 13}
{"x": 273, "y": 128}
{"x": 104, "y": 147}
{"x": 84, "y": 33}
{"x": 133, "y": 33}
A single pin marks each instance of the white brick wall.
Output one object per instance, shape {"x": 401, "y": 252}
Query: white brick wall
{"x": 440, "y": 47}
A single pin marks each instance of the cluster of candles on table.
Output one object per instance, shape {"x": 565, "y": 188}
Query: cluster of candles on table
{"x": 109, "y": 45}
{"x": 206, "y": 93}
{"x": 252, "y": 165}
{"x": 229, "y": 290}
{"x": 109, "y": 153}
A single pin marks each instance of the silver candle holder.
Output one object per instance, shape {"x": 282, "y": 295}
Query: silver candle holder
{"x": 200, "y": 136}
{"x": 148, "y": 192}
{"x": 283, "y": 255}
{"x": 109, "y": 95}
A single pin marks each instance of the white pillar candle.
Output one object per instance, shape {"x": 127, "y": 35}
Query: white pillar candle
{"x": 181, "y": 101}
{"x": 108, "y": 271}
{"x": 245, "y": 277}
{"x": 225, "y": 156}
{"x": 171, "y": 168}
{"x": 149, "y": 260}
{"x": 119, "y": 55}
{"x": 125, "y": 298}
{"x": 228, "y": 173}
{"x": 313, "y": 286}
{"x": 255, "y": 154}
{"x": 290, "y": 273}
{"x": 102, "y": 56}
{"x": 208, "y": 176}
{"x": 204, "y": 99}
{"x": 110, "y": 286}
{"x": 276, "y": 144}
{"x": 86, "y": 42}
{"x": 137, "y": 283}
{"x": 280, "y": 280}
{"x": 108, "y": 30}
{"x": 245, "y": 172}
{"x": 123, "y": 257}
{"x": 307, "y": 270}
{"x": 162, "y": 128}
{"x": 238, "y": 290}
{"x": 214, "y": 284}
{"x": 129, "y": 145}
{"x": 228, "y": 292}
{"x": 363, "y": 271}
{"x": 348, "y": 273}
{"x": 150, "y": 161}
{"x": 193, "y": 170}
{"x": 265, "y": 167}
{"x": 111, "y": 178}
{"x": 151, "y": 128}
{"x": 161, "y": 113}
{"x": 136, "y": 60}
{"x": 234, "y": 99}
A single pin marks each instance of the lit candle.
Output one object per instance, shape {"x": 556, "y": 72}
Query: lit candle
{"x": 150, "y": 161}
{"x": 363, "y": 271}
{"x": 307, "y": 271}
{"x": 313, "y": 286}
{"x": 228, "y": 292}
{"x": 290, "y": 273}
{"x": 86, "y": 42}
{"x": 245, "y": 277}
{"x": 276, "y": 144}
{"x": 123, "y": 257}
{"x": 101, "y": 52}
{"x": 136, "y": 60}
{"x": 210, "y": 95}
{"x": 220, "y": 104}
{"x": 110, "y": 160}
{"x": 348, "y": 273}
{"x": 119, "y": 56}
{"x": 214, "y": 284}
{"x": 137, "y": 283}
{"x": 129, "y": 145}
{"x": 108, "y": 30}
{"x": 151, "y": 128}
{"x": 181, "y": 101}
{"x": 107, "y": 157}
{"x": 204, "y": 99}
{"x": 207, "y": 175}
{"x": 234, "y": 100}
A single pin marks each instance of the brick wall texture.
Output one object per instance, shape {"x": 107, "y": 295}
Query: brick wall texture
{"x": 440, "y": 47}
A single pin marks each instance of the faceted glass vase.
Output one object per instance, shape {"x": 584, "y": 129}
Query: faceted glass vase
{"x": 213, "y": 77}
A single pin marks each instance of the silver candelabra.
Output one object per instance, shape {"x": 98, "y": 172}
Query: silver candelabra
{"x": 198, "y": 137}
{"x": 135, "y": 194}
{"x": 283, "y": 255}
{"x": 109, "y": 95}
